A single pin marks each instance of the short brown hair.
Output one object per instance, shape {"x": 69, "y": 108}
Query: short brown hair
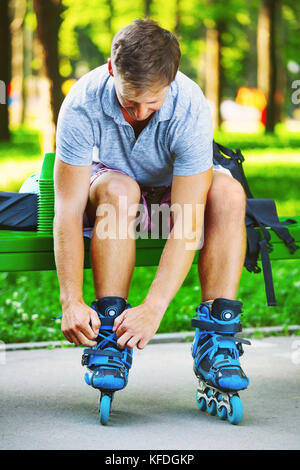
{"x": 143, "y": 54}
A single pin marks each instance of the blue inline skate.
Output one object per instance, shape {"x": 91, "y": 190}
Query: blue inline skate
{"x": 216, "y": 351}
{"x": 107, "y": 365}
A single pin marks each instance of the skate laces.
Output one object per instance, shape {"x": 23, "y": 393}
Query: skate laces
{"x": 109, "y": 342}
{"x": 109, "y": 339}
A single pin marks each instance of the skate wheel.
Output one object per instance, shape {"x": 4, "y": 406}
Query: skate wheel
{"x": 105, "y": 405}
{"x": 236, "y": 414}
{"x": 221, "y": 412}
{"x": 201, "y": 403}
{"x": 212, "y": 408}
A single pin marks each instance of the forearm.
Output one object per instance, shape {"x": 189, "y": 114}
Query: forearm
{"x": 175, "y": 263}
{"x": 69, "y": 257}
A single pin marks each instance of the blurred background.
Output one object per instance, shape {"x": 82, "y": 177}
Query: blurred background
{"x": 245, "y": 57}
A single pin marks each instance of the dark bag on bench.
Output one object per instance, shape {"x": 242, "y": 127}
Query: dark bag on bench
{"x": 18, "y": 211}
{"x": 260, "y": 213}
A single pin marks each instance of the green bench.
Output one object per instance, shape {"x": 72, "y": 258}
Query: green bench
{"x": 33, "y": 251}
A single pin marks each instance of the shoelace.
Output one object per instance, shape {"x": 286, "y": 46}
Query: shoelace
{"x": 109, "y": 338}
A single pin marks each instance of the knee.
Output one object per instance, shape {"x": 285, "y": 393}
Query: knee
{"x": 110, "y": 190}
{"x": 227, "y": 196}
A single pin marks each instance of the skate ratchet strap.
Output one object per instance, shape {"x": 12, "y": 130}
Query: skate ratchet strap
{"x": 101, "y": 352}
{"x": 125, "y": 359}
{"x": 98, "y": 352}
{"x": 222, "y": 364}
{"x": 212, "y": 345}
{"x": 235, "y": 340}
{"x": 216, "y": 327}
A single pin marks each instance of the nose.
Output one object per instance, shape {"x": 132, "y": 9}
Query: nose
{"x": 141, "y": 111}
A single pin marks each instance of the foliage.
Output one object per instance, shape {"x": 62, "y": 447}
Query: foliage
{"x": 30, "y": 301}
{"x": 88, "y": 28}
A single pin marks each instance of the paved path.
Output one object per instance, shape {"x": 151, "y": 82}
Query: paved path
{"x": 46, "y": 405}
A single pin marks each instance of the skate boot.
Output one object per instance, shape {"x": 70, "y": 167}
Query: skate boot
{"x": 107, "y": 365}
{"x": 216, "y": 351}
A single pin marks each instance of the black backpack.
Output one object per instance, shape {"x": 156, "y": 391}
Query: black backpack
{"x": 18, "y": 211}
{"x": 259, "y": 213}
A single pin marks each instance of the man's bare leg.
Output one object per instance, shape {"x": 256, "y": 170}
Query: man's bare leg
{"x": 113, "y": 259}
{"x": 222, "y": 257}
{"x": 215, "y": 352}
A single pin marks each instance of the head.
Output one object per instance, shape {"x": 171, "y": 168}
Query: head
{"x": 144, "y": 61}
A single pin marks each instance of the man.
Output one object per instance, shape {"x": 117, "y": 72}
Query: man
{"x": 149, "y": 129}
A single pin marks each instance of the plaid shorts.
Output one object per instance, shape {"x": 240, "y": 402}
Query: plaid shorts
{"x": 152, "y": 201}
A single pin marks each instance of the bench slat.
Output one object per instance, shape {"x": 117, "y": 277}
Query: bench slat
{"x": 33, "y": 251}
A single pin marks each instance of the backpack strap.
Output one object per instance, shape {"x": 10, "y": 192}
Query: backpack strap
{"x": 233, "y": 161}
{"x": 260, "y": 213}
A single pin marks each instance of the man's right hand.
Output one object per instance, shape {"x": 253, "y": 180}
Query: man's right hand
{"x": 80, "y": 323}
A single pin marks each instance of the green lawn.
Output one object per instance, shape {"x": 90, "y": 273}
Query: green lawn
{"x": 29, "y": 301}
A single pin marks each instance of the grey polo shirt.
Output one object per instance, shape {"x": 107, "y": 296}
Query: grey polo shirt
{"x": 177, "y": 140}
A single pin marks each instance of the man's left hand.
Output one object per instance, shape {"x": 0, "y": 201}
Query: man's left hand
{"x": 137, "y": 325}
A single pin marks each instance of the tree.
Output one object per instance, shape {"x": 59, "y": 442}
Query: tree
{"x": 213, "y": 70}
{"x": 5, "y": 68}
{"x": 18, "y": 13}
{"x": 147, "y": 8}
{"x": 267, "y": 57}
{"x": 48, "y": 14}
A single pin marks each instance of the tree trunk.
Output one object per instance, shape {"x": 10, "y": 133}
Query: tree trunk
{"x": 147, "y": 8}
{"x": 267, "y": 70}
{"x": 213, "y": 72}
{"x": 17, "y": 60}
{"x": 5, "y": 68}
{"x": 48, "y": 24}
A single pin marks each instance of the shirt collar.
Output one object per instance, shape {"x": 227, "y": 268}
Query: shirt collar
{"x": 111, "y": 105}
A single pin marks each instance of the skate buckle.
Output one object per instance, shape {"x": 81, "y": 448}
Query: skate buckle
{"x": 85, "y": 359}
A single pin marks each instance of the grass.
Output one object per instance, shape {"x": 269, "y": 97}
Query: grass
{"x": 30, "y": 301}
{"x": 19, "y": 158}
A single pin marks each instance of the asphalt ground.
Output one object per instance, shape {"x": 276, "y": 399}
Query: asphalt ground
{"x": 45, "y": 403}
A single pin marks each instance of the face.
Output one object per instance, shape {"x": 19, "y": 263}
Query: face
{"x": 139, "y": 104}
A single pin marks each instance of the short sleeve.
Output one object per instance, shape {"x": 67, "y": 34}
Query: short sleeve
{"x": 192, "y": 139}
{"x": 74, "y": 135}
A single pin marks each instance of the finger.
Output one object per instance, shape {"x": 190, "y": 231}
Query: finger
{"x": 133, "y": 342}
{"x": 122, "y": 328}
{"x": 67, "y": 334}
{"x": 123, "y": 340}
{"x": 95, "y": 321}
{"x": 68, "y": 337}
{"x": 86, "y": 330}
{"x": 82, "y": 339}
{"x": 142, "y": 343}
{"x": 118, "y": 321}
{"x": 73, "y": 338}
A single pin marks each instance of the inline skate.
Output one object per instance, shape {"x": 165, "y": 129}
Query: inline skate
{"x": 216, "y": 350}
{"x": 107, "y": 365}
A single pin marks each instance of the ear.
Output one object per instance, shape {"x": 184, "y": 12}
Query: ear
{"x": 110, "y": 67}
